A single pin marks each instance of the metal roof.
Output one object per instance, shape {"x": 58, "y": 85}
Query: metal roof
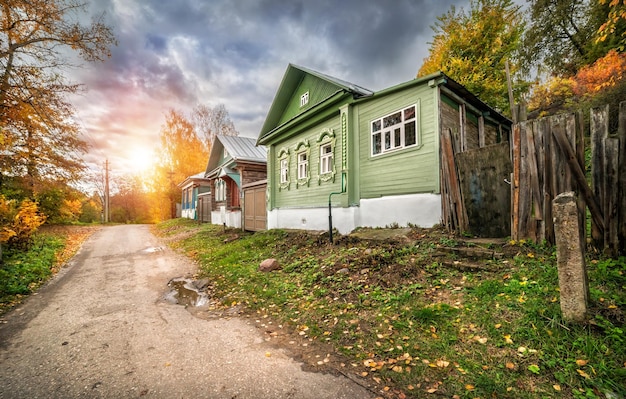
{"x": 243, "y": 148}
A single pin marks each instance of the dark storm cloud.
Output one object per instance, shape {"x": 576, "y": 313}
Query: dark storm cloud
{"x": 177, "y": 54}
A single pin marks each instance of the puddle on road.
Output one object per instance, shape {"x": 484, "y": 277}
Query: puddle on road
{"x": 153, "y": 249}
{"x": 188, "y": 292}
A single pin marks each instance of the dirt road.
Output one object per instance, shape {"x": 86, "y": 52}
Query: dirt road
{"x": 100, "y": 329}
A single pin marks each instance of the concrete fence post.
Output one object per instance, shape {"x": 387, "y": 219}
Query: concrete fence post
{"x": 570, "y": 258}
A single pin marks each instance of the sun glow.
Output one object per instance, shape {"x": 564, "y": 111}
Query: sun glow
{"x": 141, "y": 160}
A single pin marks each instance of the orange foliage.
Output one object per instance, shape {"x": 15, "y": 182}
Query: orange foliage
{"x": 605, "y": 73}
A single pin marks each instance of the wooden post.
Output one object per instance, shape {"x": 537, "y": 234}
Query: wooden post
{"x": 570, "y": 259}
{"x": 611, "y": 149}
{"x": 516, "y": 141}
{"x": 580, "y": 155}
{"x": 621, "y": 133}
{"x": 599, "y": 130}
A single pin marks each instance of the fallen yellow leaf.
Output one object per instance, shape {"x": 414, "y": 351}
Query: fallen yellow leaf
{"x": 510, "y": 365}
{"x": 442, "y": 364}
{"x": 469, "y": 387}
{"x": 268, "y": 354}
{"x": 583, "y": 374}
{"x": 581, "y": 362}
{"x": 498, "y": 326}
{"x": 507, "y": 339}
{"x": 557, "y": 387}
{"x": 397, "y": 369}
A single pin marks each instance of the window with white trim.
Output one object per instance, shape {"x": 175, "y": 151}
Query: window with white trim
{"x": 326, "y": 159}
{"x": 284, "y": 170}
{"x": 304, "y": 99}
{"x": 394, "y": 131}
{"x": 303, "y": 165}
{"x": 220, "y": 190}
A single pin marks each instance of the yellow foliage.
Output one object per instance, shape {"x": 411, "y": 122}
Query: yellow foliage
{"x": 19, "y": 225}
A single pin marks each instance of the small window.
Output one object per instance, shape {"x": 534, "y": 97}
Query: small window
{"x": 304, "y": 99}
{"x": 326, "y": 159}
{"x": 303, "y": 165}
{"x": 284, "y": 171}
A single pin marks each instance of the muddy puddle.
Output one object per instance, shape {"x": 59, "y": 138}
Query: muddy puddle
{"x": 188, "y": 292}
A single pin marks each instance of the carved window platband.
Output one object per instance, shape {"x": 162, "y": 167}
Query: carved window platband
{"x": 283, "y": 165}
{"x": 303, "y": 156}
{"x": 327, "y": 141}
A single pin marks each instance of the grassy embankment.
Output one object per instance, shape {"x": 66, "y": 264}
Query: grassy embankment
{"x": 415, "y": 322}
{"x": 22, "y": 272}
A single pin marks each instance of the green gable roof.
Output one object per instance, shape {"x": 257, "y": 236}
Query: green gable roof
{"x": 297, "y": 81}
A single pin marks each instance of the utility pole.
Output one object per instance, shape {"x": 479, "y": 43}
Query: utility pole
{"x": 106, "y": 191}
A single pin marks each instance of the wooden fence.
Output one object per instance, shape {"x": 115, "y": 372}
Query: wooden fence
{"x": 548, "y": 157}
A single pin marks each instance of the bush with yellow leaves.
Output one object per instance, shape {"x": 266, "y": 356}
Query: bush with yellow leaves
{"x": 19, "y": 223}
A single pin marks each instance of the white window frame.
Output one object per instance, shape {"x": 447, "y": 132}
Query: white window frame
{"x": 304, "y": 99}
{"x": 303, "y": 165}
{"x": 388, "y": 132}
{"x": 284, "y": 170}
{"x": 326, "y": 158}
{"x": 220, "y": 190}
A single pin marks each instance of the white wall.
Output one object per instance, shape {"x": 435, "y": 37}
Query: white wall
{"x": 231, "y": 218}
{"x": 422, "y": 210}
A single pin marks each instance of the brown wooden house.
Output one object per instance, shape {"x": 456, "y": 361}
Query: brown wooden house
{"x": 234, "y": 162}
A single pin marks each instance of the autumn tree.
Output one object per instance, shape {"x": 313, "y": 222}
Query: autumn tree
{"x": 600, "y": 83}
{"x": 565, "y": 35}
{"x": 472, "y": 48}
{"x": 182, "y": 153}
{"x": 613, "y": 28}
{"x": 38, "y": 139}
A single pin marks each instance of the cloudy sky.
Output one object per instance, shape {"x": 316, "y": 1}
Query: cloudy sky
{"x": 178, "y": 54}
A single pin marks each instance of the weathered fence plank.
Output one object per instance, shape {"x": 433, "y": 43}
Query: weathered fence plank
{"x": 599, "y": 131}
{"x": 621, "y": 134}
{"x": 611, "y": 159}
{"x": 549, "y": 159}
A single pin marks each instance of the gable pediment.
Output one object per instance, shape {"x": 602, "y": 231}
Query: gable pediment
{"x": 299, "y": 82}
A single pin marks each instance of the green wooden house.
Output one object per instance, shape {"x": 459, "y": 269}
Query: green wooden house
{"x": 373, "y": 156}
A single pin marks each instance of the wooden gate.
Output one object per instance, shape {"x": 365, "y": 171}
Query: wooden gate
{"x": 483, "y": 178}
{"x": 254, "y": 204}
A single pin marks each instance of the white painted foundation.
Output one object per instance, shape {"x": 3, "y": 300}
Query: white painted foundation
{"x": 231, "y": 218}
{"x": 422, "y": 210}
{"x": 188, "y": 213}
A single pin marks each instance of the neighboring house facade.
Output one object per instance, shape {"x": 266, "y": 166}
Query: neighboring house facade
{"x": 375, "y": 157}
{"x": 233, "y": 163}
{"x": 192, "y": 187}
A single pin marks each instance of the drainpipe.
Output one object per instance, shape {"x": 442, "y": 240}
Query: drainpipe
{"x": 330, "y": 213}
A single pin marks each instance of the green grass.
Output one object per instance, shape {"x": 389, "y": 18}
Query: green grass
{"x": 23, "y": 272}
{"x": 409, "y": 324}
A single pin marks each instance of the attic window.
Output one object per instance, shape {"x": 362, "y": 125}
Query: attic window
{"x": 304, "y": 99}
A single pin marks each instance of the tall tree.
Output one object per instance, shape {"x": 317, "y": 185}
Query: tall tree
{"x": 38, "y": 139}
{"x": 181, "y": 154}
{"x": 472, "y": 47}
{"x": 561, "y": 34}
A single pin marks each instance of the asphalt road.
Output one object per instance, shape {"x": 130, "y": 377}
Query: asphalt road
{"x": 100, "y": 329}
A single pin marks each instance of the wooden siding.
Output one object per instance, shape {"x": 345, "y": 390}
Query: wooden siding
{"x": 316, "y": 192}
{"x": 318, "y": 90}
{"x": 405, "y": 171}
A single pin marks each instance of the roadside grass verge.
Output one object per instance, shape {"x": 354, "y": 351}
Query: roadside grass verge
{"x": 23, "y": 272}
{"x": 413, "y": 327}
